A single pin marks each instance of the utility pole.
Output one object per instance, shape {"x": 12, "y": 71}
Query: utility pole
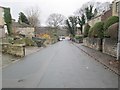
{"x": 118, "y": 45}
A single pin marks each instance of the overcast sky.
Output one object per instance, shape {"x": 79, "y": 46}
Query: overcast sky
{"x": 46, "y": 7}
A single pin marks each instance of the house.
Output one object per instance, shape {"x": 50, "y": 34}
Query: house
{"x": 115, "y": 8}
{"x": 23, "y": 29}
{"x": 102, "y": 17}
{"x": 113, "y": 11}
{"x": 2, "y": 22}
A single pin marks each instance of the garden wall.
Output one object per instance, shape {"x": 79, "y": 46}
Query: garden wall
{"x": 94, "y": 43}
{"x": 110, "y": 46}
{"x": 14, "y": 49}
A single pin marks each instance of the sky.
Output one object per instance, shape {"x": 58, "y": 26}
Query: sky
{"x": 46, "y": 7}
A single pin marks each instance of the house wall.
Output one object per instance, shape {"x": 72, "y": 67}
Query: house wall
{"x": 28, "y": 31}
{"x": 1, "y": 16}
{"x": 94, "y": 20}
{"x": 106, "y": 15}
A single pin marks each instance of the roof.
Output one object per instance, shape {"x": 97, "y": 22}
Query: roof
{"x": 16, "y": 24}
{"x": 42, "y": 30}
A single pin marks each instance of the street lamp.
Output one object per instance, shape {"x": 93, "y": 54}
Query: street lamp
{"x": 118, "y": 45}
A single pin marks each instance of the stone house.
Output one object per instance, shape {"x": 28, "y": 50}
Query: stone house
{"x": 104, "y": 16}
{"x": 23, "y": 29}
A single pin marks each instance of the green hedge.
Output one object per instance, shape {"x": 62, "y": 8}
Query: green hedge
{"x": 78, "y": 37}
{"x": 86, "y": 30}
{"x": 26, "y": 41}
{"x": 97, "y": 30}
{"x": 111, "y": 20}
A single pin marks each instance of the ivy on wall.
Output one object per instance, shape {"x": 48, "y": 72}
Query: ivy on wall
{"x": 8, "y": 20}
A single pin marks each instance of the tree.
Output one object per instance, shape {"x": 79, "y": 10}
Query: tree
{"x": 100, "y": 7}
{"x": 81, "y": 22}
{"x": 55, "y": 20}
{"x": 86, "y": 30}
{"x": 33, "y": 15}
{"x": 8, "y": 20}
{"x": 89, "y": 12}
{"x": 71, "y": 23}
{"x": 22, "y": 18}
{"x": 97, "y": 30}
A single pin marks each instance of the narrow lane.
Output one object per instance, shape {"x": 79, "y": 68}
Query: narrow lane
{"x": 61, "y": 65}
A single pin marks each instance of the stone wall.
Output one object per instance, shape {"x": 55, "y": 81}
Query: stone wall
{"x": 94, "y": 43}
{"x": 14, "y": 49}
{"x": 110, "y": 46}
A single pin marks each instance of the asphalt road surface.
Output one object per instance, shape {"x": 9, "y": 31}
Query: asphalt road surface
{"x": 61, "y": 65}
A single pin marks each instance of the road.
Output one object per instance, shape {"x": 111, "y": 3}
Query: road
{"x": 61, "y": 65}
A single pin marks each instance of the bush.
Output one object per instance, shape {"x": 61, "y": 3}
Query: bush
{"x": 29, "y": 42}
{"x": 26, "y": 41}
{"x": 97, "y": 30}
{"x": 78, "y": 37}
{"x": 86, "y": 30}
{"x": 111, "y": 20}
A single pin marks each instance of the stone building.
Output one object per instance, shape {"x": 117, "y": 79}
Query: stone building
{"x": 23, "y": 29}
{"x": 104, "y": 16}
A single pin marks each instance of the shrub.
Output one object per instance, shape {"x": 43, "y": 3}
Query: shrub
{"x": 78, "y": 37}
{"x": 111, "y": 20}
{"x": 29, "y": 42}
{"x": 97, "y": 30}
{"x": 86, "y": 30}
{"x": 26, "y": 41}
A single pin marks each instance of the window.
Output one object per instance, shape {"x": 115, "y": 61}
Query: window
{"x": 117, "y": 4}
{"x": 3, "y": 14}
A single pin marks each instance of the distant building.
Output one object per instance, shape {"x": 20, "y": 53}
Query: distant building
{"x": 23, "y": 29}
{"x": 115, "y": 7}
{"x": 50, "y": 30}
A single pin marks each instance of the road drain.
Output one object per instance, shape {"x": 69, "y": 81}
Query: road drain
{"x": 20, "y": 80}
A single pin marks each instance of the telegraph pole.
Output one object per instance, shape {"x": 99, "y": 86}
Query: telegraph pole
{"x": 118, "y": 45}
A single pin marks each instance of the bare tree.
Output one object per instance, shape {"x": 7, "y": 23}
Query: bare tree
{"x": 33, "y": 15}
{"x": 97, "y": 6}
{"x": 55, "y": 20}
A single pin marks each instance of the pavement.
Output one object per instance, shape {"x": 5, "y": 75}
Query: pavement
{"x": 109, "y": 61}
{"x": 61, "y": 65}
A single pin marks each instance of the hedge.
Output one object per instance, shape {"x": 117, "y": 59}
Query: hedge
{"x": 111, "y": 20}
{"x": 97, "y": 30}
